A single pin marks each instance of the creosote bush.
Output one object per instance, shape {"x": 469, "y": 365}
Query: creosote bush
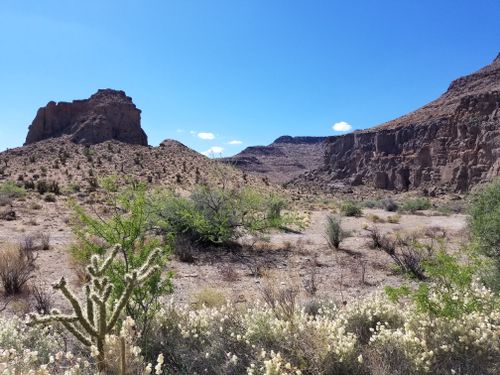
{"x": 416, "y": 204}
{"x": 10, "y": 189}
{"x": 390, "y": 205}
{"x": 220, "y": 215}
{"x": 351, "y": 208}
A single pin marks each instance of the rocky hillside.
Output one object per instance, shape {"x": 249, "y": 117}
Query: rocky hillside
{"x": 106, "y": 115}
{"x": 78, "y": 167}
{"x": 287, "y": 157}
{"x": 451, "y": 143}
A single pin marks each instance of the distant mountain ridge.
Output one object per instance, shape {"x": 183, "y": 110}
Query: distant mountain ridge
{"x": 284, "y": 159}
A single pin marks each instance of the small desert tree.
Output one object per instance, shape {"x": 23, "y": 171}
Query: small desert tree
{"x": 127, "y": 223}
{"x": 91, "y": 321}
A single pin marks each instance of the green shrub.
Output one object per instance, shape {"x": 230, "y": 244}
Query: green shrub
{"x": 449, "y": 294}
{"x": 372, "y": 204}
{"x": 484, "y": 225}
{"x": 351, "y": 208}
{"x": 390, "y": 205}
{"x": 218, "y": 216}
{"x": 416, "y": 204}
{"x": 42, "y": 186}
{"x": 9, "y": 189}
{"x": 333, "y": 231}
{"x": 484, "y": 222}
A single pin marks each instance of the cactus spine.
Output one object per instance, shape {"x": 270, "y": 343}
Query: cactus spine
{"x": 100, "y": 317}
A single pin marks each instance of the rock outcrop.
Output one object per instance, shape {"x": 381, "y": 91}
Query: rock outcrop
{"x": 450, "y": 144}
{"x": 106, "y": 115}
{"x": 287, "y": 157}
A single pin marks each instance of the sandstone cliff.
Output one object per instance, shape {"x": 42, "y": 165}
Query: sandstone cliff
{"x": 106, "y": 115}
{"x": 450, "y": 144}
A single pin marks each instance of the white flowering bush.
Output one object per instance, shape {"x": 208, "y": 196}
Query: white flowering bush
{"x": 450, "y": 325}
{"x": 362, "y": 319}
{"x": 43, "y": 351}
{"x": 431, "y": 343}
{"x": 374, "y": 337}
{"x": 16, "y": 336}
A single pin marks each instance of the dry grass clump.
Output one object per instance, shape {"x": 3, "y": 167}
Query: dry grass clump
{"x": 394, "y": 219}
{"x": 334, "y": 232}
{"x": 375, "y": 218}
{"x": 406, "y": 251}
{"x": 208, "y": 297}
{"x": 184, "y": 249}
{"x": 16, "y": 268}
{"x": 282, "y": 301}
{"x": 5, "y": 199}
{"x": 33, "y": 242}
{"x": 42, "y": 299}
{"x": 228, "y": 273}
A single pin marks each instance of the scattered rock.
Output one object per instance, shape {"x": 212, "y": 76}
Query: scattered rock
{"x": 8, "y": 215}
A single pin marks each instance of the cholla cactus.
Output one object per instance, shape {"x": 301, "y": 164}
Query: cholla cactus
{"x": 100, "y": 317}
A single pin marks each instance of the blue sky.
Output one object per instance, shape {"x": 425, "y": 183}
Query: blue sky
{"x": 246, "y": 71}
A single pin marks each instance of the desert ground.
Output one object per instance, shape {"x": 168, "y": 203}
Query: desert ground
{"x": 301, "y": 260}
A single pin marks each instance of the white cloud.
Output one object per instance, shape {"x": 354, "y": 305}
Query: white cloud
{"x": 214, "y": 150}
{"x": 342, "y": 126}
{"x": 192, "y": 132}
{"x": 234, "y": 142}
{"x": 180, "y": 130}
{"x": 206, "y": 136}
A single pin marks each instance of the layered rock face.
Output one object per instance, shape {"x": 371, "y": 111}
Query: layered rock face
{"x": 106, "y": 115}
{"x": 450, "y": 144}
{"x": 287, "y": 157}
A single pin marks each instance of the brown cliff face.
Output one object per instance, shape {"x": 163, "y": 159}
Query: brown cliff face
{"x": 287, "y": 157}
{"x": 452, "y": 143}
{"x": 106, "y": 115}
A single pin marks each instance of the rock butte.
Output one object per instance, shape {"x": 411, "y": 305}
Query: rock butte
{"x": 106, "y": 115}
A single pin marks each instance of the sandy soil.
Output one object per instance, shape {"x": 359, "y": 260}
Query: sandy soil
{"x": 288, "y": 259}
{"x": 292, "y": 259}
